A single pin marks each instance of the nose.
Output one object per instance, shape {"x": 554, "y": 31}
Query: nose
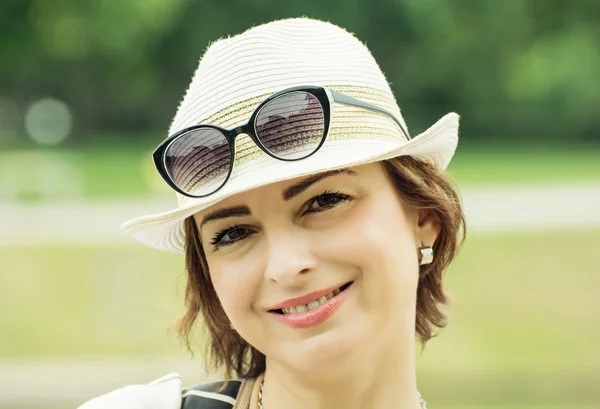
{"x": 289, "y": 257}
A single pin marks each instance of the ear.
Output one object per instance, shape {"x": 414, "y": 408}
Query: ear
{"x": 427, "y": 228}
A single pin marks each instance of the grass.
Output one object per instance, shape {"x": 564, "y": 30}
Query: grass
{"x": 36, "y": 175}
{"x": 128, "y": 171}
{"x": 521, "y": 166}
{"x": 522, "y": 323}
{"x": 522, "y": 301}
{"x": 87, "y": 301}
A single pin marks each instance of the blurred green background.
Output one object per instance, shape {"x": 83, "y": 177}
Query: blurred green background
{"x": 88, "y": 89}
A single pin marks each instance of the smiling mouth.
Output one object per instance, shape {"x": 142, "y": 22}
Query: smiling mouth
{"x": 313, "y": 304}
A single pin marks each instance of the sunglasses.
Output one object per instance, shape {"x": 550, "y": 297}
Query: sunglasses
{"x": 290, "y": 125}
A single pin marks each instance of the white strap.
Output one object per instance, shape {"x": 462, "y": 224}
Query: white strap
{"x": 210, "y": 395}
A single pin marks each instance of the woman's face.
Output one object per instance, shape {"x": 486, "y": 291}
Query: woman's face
{"x": 314, "y": 235}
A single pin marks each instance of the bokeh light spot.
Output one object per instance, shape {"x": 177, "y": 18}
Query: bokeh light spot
{"x": 48, "y": 121}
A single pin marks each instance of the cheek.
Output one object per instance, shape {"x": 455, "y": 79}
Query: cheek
{"x": 235, "y": 288}
{"x": 376, "y": 233}
{"x": 379, "y": 242}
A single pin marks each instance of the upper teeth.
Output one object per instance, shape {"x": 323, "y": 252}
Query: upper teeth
{"x": 310, "y": 305}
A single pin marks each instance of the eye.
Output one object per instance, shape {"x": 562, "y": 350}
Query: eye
{"x": 230, "y": 235}
{"x": 325, "y": 201}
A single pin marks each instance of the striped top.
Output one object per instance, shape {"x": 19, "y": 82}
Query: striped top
{"x": 204, "y": 396}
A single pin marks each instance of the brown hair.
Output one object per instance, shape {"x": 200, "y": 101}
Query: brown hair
{"x": 418, "y": 184}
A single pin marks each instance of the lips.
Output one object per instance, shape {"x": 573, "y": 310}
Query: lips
{"x": 315, "y": 315}
{"x": 292, "y": 305}
{"x": 312, "y": 304}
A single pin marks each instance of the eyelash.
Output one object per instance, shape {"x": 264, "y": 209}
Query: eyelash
{"x": 342, "y": 198}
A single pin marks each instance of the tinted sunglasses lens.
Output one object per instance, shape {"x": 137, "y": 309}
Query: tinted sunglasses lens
{"x": 291, "y": 126}
{"x": 199, "y": 161}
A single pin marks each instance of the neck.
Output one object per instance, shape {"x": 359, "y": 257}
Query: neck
{"x": 382, "y": 378}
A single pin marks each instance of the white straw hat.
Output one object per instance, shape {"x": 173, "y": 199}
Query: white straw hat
{"x": 238, "y": 73}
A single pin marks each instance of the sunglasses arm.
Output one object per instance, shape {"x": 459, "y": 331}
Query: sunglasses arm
{"x": 346, "y": 100}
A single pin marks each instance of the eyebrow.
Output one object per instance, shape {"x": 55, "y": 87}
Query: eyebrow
{"x": 236, "y": 211}
{"x": 304, "y": 184}
{"x": 288, "y": 194}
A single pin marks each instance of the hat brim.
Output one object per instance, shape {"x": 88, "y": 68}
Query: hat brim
{"x": 436, "y": 145}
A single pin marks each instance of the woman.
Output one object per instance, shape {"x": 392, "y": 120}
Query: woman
{"x": 315, "y": 230}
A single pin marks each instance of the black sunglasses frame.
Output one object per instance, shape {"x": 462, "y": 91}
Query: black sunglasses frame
{"x": 325, "y": 97}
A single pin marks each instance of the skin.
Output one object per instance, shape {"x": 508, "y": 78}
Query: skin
{"x": 348, "y": 226}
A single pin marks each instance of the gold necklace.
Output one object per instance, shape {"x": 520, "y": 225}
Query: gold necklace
{"x": 262, "y": 385}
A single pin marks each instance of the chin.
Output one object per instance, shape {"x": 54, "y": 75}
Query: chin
{"x": 334, "y": 349}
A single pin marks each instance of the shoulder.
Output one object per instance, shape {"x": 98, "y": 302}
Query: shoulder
{"x": 163, "y": 393}
{"x": 166, "y": 393}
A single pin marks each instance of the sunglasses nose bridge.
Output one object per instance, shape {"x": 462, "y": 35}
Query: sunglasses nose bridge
{"x": 242, "y": 129}
{"x": 241, "y": 136}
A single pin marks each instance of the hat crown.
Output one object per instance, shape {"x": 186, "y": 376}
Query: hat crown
{"x": 275, "y": 56}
